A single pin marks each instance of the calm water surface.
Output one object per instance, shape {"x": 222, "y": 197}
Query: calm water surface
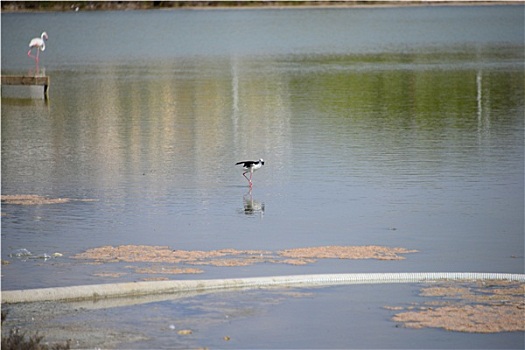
{"x": 396, "y": 127}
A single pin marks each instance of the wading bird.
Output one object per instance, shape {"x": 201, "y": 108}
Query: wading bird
{"x": 39, "y": 44}
{"x": 249, "y": 166}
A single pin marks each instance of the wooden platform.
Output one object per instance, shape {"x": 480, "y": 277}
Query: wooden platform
{"x": 27, "y": 80}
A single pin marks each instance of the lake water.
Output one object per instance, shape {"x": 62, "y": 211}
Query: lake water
{"x": 401, "y": 127}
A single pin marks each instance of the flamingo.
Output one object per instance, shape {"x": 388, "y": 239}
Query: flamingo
{"x": 39, "y": 44}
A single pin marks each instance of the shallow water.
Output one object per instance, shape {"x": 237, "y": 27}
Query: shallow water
{"x": 329, "y": 318}
{"x": 396, "y": 127}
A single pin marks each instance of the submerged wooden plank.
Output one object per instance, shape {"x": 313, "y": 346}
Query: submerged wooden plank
{"x": 27, "y": 80}
{"x": 24, "y": 80}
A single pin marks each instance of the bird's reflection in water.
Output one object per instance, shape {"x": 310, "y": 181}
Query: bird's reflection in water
{"x": 251, "y": 206}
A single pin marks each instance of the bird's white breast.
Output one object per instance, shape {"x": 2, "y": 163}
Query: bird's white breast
{"x": 36, "y": 42}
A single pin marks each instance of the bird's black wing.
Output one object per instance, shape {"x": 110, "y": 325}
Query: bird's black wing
{"x": 246, "y": 162}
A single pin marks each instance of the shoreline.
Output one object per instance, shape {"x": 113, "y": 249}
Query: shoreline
{"x": 70, "y": 6}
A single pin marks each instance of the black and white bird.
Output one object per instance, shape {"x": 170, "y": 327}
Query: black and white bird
{"x": 249, "y": 166}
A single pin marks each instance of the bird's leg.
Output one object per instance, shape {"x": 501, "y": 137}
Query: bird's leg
{"x": 29, "y": 54}
{"x": 244, "y": 174}
{"x": 34, "y": 58}
{"x": 251, "y": 183}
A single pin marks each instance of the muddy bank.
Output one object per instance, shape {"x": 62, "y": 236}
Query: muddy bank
{"x": 62, "y": 6}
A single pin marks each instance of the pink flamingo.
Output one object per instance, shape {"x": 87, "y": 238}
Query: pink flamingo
{"x": 39, "y": 44}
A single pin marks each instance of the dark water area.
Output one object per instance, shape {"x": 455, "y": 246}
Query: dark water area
{"x": 399, "y": 127}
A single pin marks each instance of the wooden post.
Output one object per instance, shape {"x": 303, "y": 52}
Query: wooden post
{"x": 27, "y": 80}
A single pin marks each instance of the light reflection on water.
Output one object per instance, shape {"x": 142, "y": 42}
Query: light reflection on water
{"x": 375, "y": 129}
{"x": 363, "y": 128}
